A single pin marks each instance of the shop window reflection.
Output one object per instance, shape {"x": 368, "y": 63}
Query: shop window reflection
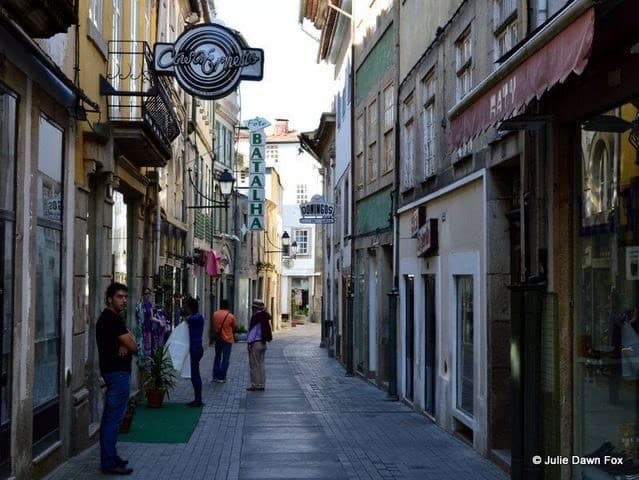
{"x": 607, "y": 294}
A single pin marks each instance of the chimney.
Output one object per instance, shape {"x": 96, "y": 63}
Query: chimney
{"x": 281, "y": 126}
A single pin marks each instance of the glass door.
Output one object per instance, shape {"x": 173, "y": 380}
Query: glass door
{"x": 6, "y": 295}
{"x": 8, "y": 109}
{"x": 430, "y": 344}
{"x": 465, "y": 344}
{"x": 410, "y": 335}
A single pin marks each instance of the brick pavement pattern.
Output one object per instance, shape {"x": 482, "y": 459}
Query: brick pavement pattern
{"x": 310, "y": 422}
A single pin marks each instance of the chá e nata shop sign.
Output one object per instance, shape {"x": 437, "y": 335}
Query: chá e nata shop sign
{"x": 209, "y": 60}
{"x": 257, "y": 173}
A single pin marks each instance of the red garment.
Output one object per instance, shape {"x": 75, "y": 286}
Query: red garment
{"x": 212, "y": 263}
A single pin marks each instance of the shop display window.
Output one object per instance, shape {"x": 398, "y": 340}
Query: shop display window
{"x": 606, "y": 307}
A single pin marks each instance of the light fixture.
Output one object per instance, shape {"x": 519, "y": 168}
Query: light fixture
{"x": 289, "y": 250}
{"x": 226, "y": 182}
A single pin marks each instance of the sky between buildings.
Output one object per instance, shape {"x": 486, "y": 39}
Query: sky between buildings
{"x": 294, "y": 85}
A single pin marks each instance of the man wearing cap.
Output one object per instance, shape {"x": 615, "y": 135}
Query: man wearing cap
{"x": 259, "y": 333}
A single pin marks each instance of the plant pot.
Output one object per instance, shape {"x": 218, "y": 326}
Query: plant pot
{"x": 241, "y": 337}
{"x": 155, "y": 398}
{"x": 125, "y": 424}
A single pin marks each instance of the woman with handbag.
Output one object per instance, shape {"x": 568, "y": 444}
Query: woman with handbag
{"x": 259, "y": 335}
{"x": 222, "y": 328}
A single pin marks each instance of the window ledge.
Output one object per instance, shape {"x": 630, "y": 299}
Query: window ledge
{"x": 44, "y": 455}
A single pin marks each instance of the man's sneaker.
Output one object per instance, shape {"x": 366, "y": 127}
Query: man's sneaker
{"x": 195, "y": 403}
{"x": 121, "y": 462}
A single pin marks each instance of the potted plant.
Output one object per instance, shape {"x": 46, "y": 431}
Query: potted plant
{"x": 125, "y": 424}
{"x": 159, "y": 377}
{"x": 240, "y": 333}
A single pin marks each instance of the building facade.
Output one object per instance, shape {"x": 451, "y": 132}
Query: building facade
{"x": 512, "y": 223}
{"x": 301, "y": 287}
{"x": 335, "y": 48}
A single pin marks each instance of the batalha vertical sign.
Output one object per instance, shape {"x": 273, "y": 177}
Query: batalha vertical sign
{"x": 257, "y": 172}
{"x": 209, "y": 60}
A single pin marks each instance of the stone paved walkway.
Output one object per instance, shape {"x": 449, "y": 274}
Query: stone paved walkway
{"x": 311, "y": 422}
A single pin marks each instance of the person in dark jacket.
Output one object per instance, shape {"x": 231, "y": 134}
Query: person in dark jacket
{"x": 259, "y": 334}
{"x": 196, "y": 328}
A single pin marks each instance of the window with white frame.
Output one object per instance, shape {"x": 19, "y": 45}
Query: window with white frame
{"x": 371, "y": 137}
{"x": 463, "y": 64}
{"x": 388, "y": 147}
{"x": 301, "y": 194}
{"x": 95, "y": 13}
{"x": 505, "y": 26}
{"x": 408, "y": 145}
{"x": 301, "y": 237}
{"x": 272, "y": 154}
{"x": 428, "y": 124}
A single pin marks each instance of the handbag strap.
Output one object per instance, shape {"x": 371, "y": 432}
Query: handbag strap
{"x": 225, "y": 317}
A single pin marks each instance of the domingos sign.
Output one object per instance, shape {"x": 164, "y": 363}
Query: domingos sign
{"x": 257, "y": 172}
{"x": 317, "y": 211}
{"x": 209, "y": 60}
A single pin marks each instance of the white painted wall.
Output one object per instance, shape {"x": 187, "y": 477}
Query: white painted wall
{"x": 462, "y": 247}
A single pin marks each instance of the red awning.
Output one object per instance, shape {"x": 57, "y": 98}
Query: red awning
{"x": 567, "y": 52}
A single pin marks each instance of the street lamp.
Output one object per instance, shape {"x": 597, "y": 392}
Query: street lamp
{"x": 288, "y": 249}
{"x": 225, "y": 181}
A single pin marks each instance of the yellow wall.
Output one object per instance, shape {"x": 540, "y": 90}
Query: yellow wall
{"x": 93, "y": 64}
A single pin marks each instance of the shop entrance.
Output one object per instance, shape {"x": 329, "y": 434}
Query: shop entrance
{"x": 430, "y": 344}
{"x": 299, "y": 299}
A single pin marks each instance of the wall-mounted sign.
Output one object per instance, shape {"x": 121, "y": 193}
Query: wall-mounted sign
{"x": 257, "y": 176}
{"x": 257, "y": 123}
{"x": 427, "y": 238}
{"x": 317, "y": 211}
{"x": 209, "y": 60}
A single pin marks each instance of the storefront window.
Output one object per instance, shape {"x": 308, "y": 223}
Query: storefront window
{"x": 46, "y": 383}
{"x": 7, "y": 217}
{"x": 47, "y": 353}
{"x": 465, "y": 344}
{"x": 607, "y": 291}
{"x": 7, "y": 151}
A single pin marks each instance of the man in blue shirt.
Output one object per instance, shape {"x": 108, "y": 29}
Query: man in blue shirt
{"x": 196, "y": 351}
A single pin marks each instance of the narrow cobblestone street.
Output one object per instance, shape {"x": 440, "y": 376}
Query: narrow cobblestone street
{"x": 311, "y": 422}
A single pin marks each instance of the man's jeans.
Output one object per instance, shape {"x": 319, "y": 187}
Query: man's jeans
{"x": 117, "y": 394}
{"x": 196, "y": 353}
{"x": 222, "y": 358}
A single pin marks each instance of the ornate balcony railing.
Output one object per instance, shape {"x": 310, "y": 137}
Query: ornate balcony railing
{"x": 42, "y": 18}
{"x": 139, "y": 103}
